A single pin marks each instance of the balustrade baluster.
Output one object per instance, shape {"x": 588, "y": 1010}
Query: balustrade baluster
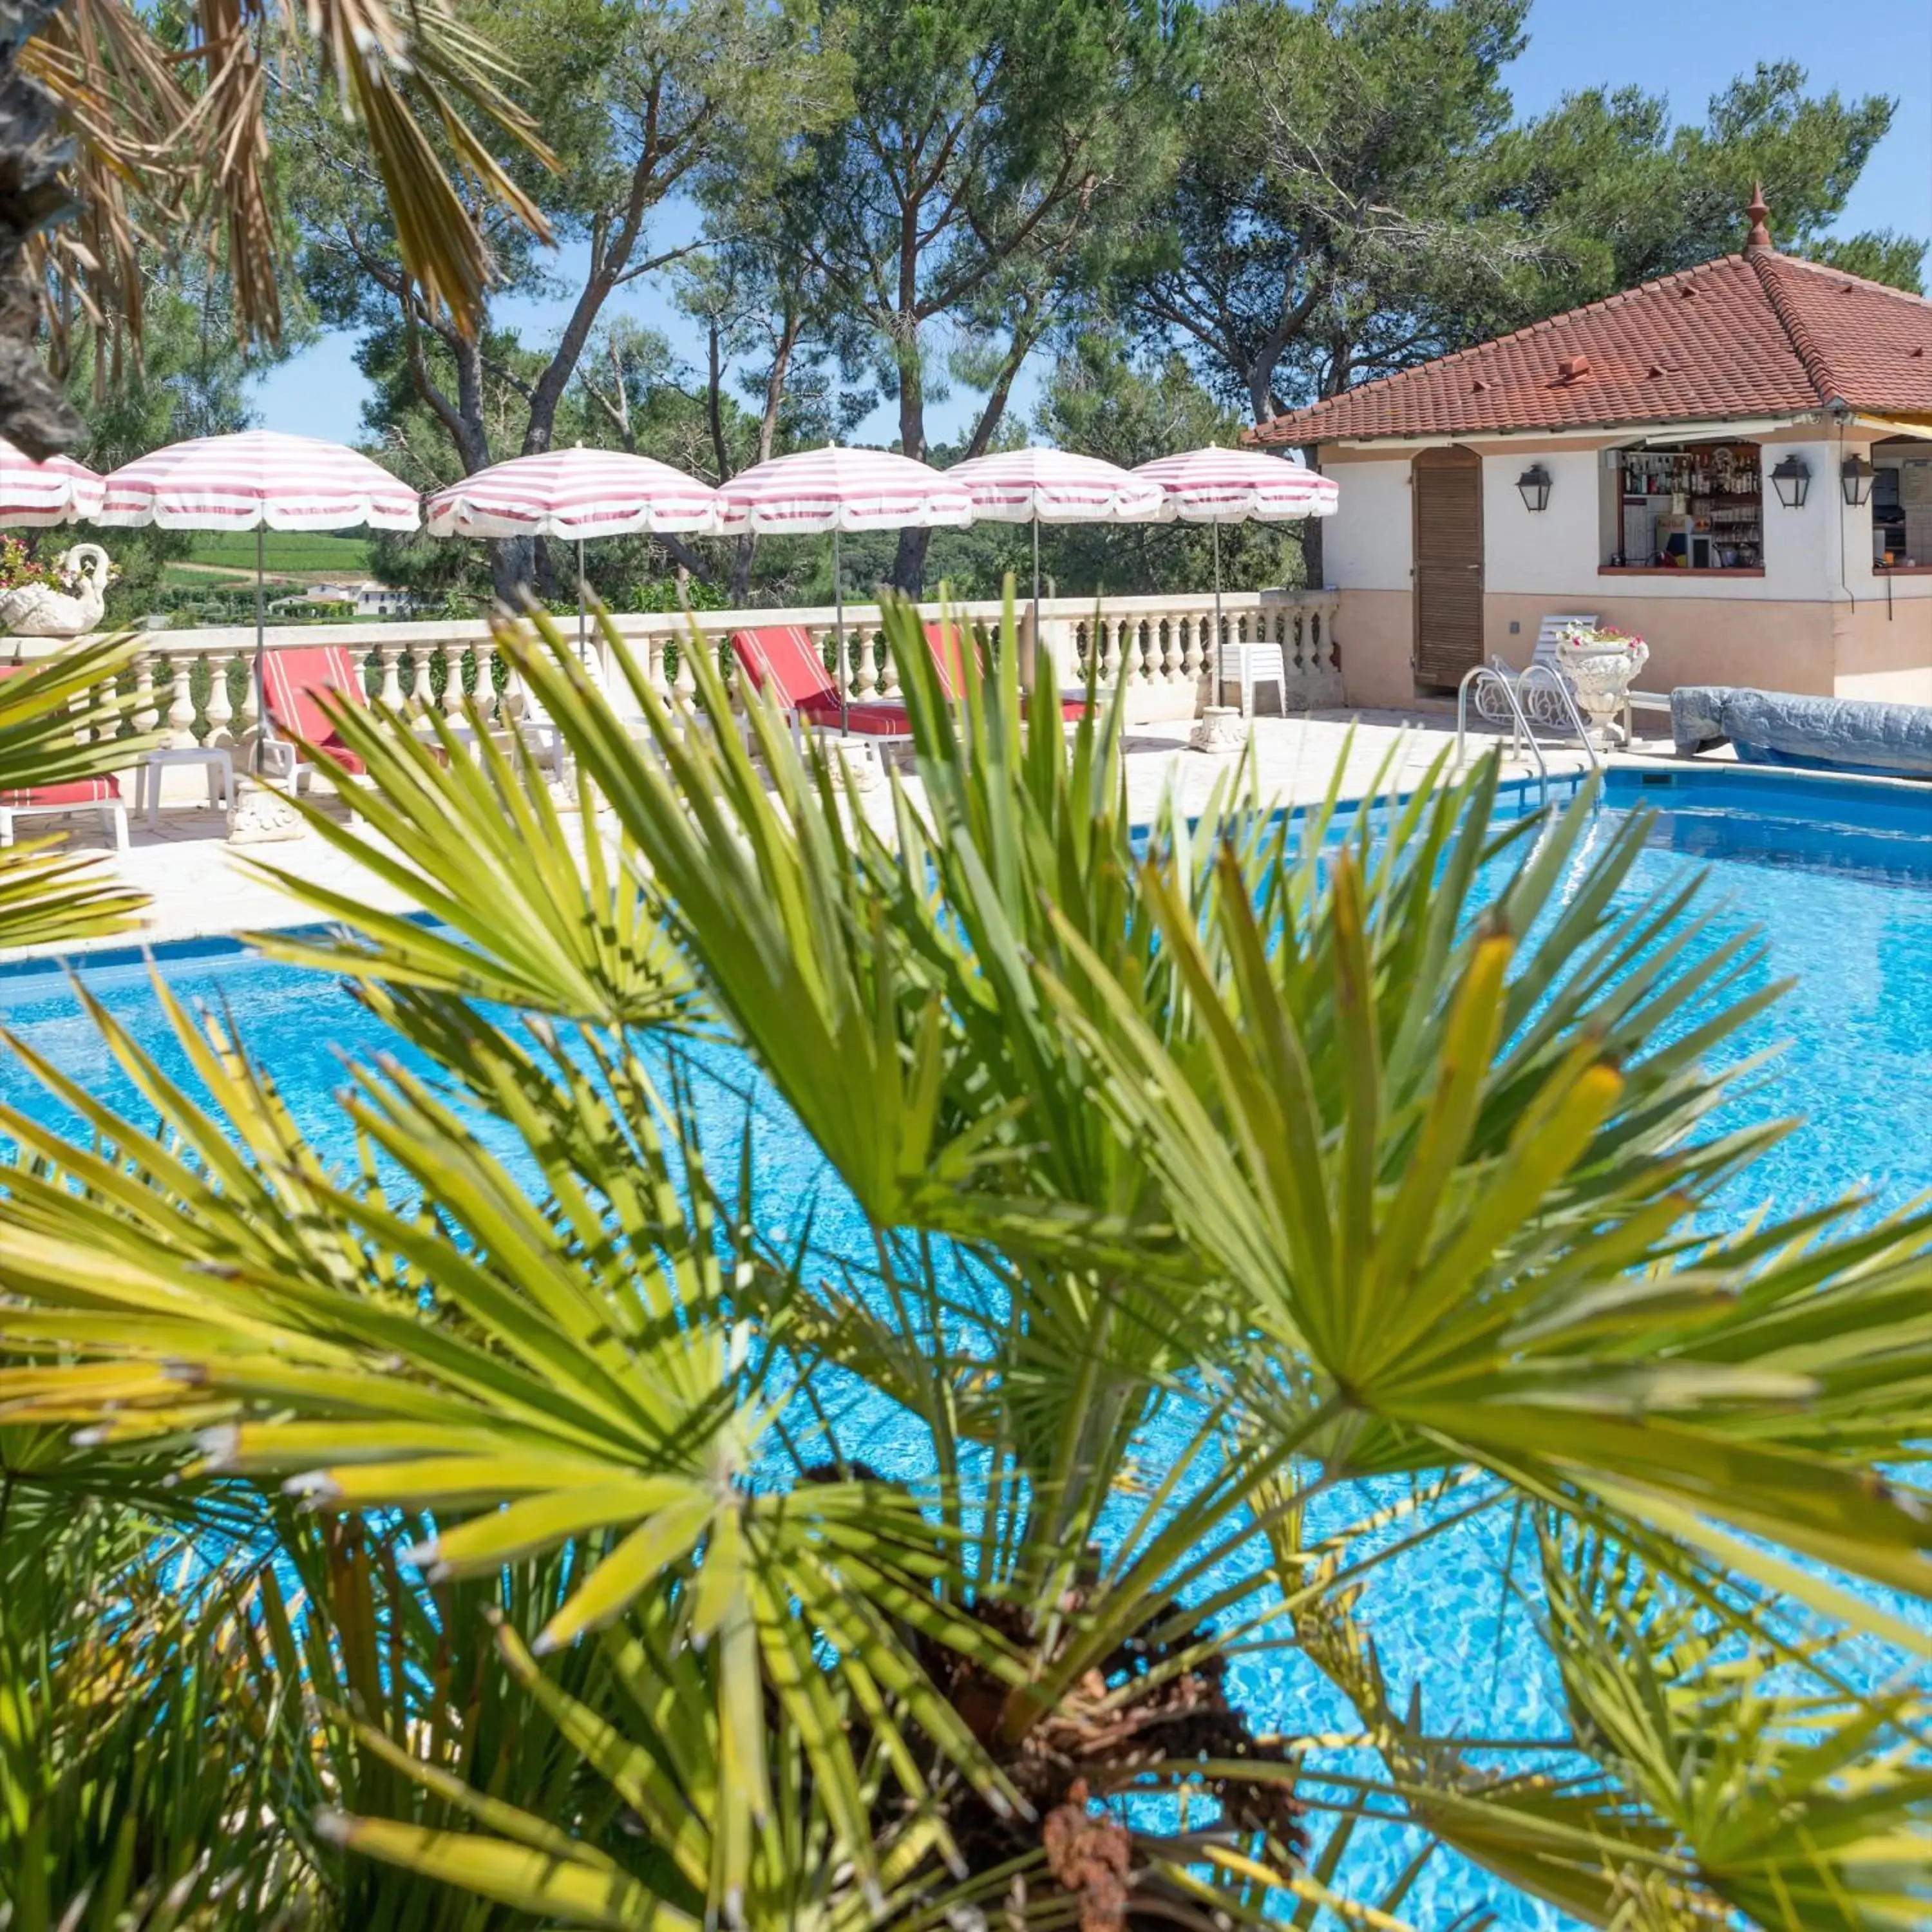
{"x": 686, "y": 684}
{"x": 659, "y": 679}
{"x": 389, "y": 686}
{"x": 489, "y": 701}
{"x": 422, "y": 702}
{"x": 865, "y": 681}
{"x": 1190, "y": 628}
{"x": 251, "y": 697}
{"x": 221, "y": 711}
{"x": 452, "y": 683}
{"x": 147, "y": 709}
{"x": 180, "y": 700}
{"x": 514, "y": 702}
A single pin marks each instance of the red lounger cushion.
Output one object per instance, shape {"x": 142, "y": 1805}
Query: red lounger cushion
{"x": 294, "y": 678}
{"x": 337, "y": 754}
{"x": 75, "y": 791}
{"x": 872, "y": 717}
{"x": 785, "y": 661}
{"x": 945, "y": 642}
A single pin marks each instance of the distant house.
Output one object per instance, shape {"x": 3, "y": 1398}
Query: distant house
{"x": 329, "y": 596}
{"x": 1734, "y": 461}
{"x": 381, "y": 600}
{"x": 367, "y": 600}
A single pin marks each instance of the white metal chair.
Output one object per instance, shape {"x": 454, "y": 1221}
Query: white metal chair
{"x": 1538, "y": 707}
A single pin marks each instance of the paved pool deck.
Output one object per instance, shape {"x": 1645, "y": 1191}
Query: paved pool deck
{"x": 200, "y": 886}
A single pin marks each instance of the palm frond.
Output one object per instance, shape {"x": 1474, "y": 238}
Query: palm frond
{"x": 59, "y": 721}
{"x": 172, "y": 139}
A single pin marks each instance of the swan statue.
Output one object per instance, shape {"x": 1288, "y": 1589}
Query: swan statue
{"x": 45, "y": 610}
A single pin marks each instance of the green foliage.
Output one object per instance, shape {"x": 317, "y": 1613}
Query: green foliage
{"x": 133, "y": 1725}
{"x": 640, "y": 101}
{"x": 281, "y": 550}
{"x": 1208, "y": 1174}
{"x": 1381, "y": 209}
{"x": 996, "y": 151}
{"x": 1622, "y": 195}
{"x": 1897, "y": 260}
{"x": 59, "y": 720}
{"x": 190, "y": 380}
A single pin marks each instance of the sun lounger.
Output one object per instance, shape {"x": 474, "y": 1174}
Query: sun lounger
{"x": 102, "y": 793}
{"x": 783, "y": 661}
{"x": 295, "y": 679}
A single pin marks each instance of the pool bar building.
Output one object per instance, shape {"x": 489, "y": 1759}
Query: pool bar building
{"x": 1734, "y": 462}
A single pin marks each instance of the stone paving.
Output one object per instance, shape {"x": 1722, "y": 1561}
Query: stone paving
{"x": 199, "y": 886}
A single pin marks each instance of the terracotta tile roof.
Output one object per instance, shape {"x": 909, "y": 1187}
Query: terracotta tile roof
{"x": 1755, "y": 335}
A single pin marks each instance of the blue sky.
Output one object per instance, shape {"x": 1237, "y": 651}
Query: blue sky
{"x": 1688, "y": 50}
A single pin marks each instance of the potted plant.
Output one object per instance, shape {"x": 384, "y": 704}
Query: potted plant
{"x": 1600, "y": 662}
{"x": 60, "y": 598}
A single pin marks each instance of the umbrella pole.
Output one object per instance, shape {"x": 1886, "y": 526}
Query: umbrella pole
{"x": 583, "y": 601}
{"x": 1036, "y": 593}
{"x": 264, "y": 727}
{"x": 838, "y": 598}
{"x": 1220, "y": 642}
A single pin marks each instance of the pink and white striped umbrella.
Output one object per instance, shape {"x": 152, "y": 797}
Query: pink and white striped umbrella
{"x": 38, "y": 496}
{"x": 1054, "y": 486}
{"x": 837, "y": 489}
{"x": 1237, "y": 486}
{"x": 259, "y": 479}
{"x": 574, "y": 494}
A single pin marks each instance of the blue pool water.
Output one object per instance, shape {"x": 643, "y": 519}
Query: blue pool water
{"x": 1838, "y": 874}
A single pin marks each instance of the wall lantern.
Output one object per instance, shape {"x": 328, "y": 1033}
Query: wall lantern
{"x": 1535, "y": 485}
{"x": 1855, "y": 473}
{"x": 1791, "y": 479}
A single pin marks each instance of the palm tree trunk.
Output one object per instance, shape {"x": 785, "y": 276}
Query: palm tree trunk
{"x": 34, "y": 413}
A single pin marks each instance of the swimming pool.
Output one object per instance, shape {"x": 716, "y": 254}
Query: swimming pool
{"x": 1838, "y": 873}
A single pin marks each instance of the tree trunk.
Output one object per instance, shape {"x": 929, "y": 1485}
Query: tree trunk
{"x": 746, "y": 547}
{"x": 34, "y": 413}
{"x": 510, "y": 558}
{"x": 1311, "y": 552}
{"x": 909, "y": 563}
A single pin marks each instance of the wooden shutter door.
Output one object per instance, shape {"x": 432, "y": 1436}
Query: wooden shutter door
{"x": 1448, "y": 565}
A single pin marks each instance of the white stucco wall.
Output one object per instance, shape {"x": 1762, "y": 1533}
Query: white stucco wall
{"x": 1365, "y": 543}
{"x": 1820, "y": 618}
{"x": 1552, "y": 552}
{"x": 1818, "y": 553}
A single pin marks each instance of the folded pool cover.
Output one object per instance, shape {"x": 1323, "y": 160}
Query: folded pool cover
{"x": 1776, "y": 727}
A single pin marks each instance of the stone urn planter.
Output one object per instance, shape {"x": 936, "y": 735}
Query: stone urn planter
{"x": 64, "y": 602}
{"x": 1599, "y": 665}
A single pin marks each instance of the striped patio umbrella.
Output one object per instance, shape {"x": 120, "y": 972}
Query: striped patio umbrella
{"x": 39, "y": 496}
{"x": 576, "y": 494}
{"x": 1236, "y": 486}
{"x": 1054, "y": 486}
{"x": 838, "y": 489}
{"x": 257, "y": 480}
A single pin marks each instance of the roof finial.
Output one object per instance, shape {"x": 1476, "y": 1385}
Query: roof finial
{"x": 1759, "y": 236}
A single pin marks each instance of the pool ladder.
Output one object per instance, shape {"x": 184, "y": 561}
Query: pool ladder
{"x": 1537, "y": 677}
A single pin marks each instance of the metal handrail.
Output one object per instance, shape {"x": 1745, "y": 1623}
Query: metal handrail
{"x": 1555, "y": 678}
{"x": 1521, "y": 730}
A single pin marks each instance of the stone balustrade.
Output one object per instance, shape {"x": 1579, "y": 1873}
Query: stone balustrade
{"x": 198, "y": 683}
